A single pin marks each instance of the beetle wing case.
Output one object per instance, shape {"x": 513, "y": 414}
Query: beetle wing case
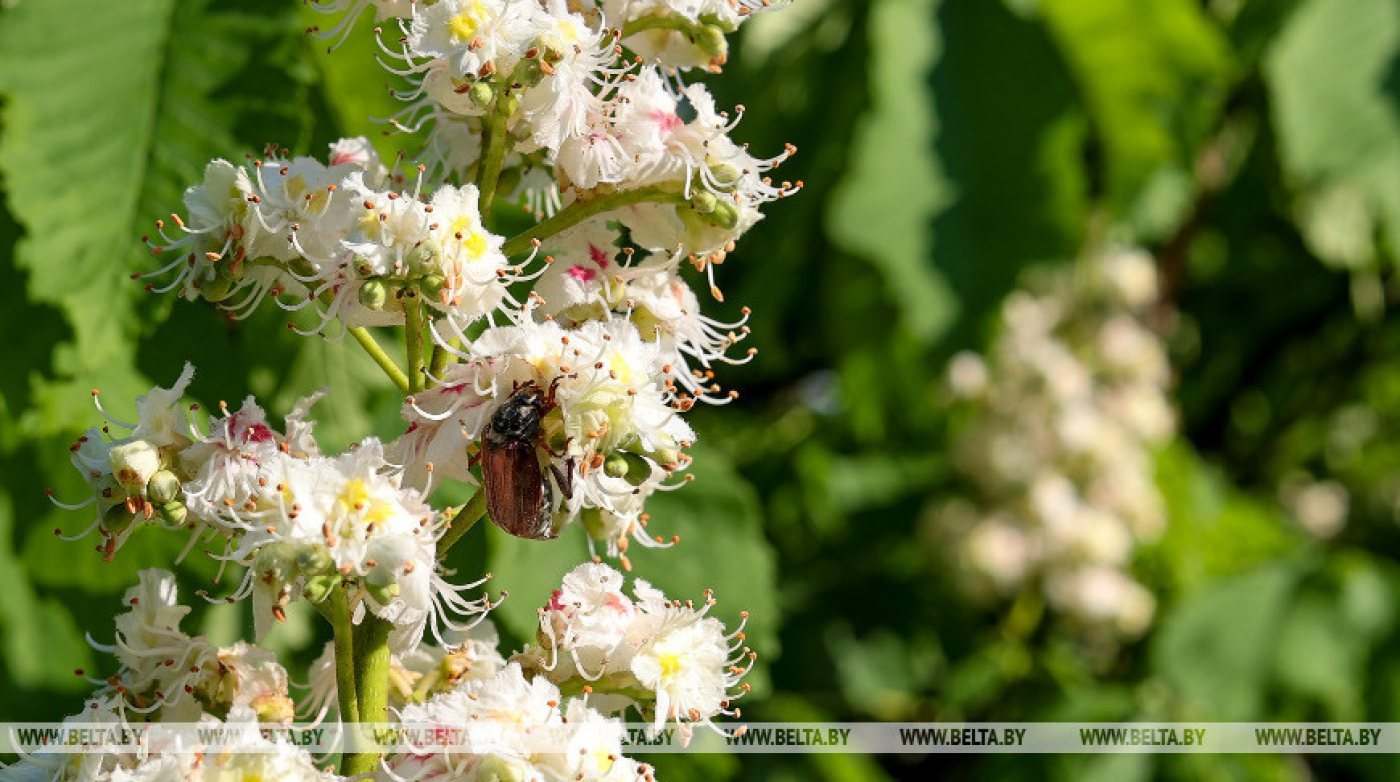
{"x": 518, "y": 497}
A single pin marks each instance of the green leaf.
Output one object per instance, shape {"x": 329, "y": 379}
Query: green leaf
{"x": 1153, "y": 75}
{"x": 93, "y": 154}
{"x": 869, "y": 216}
{"x": 1215, "y": 650}
{"x": 109, "y": 111}
{"x": 40, "y": 644}
{"x": 1213, "y": 529}
{"x": 1333, "y": 87}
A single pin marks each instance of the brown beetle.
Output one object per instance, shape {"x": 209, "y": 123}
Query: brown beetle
{"x": 518, "y": 495}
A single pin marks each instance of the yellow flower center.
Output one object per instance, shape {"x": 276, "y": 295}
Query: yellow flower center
{"x": 463, "y": 229}
{"x": 355, "y": 499}
{"x": 467, "y": 22}
{"x": 626, "y": 373}
{"x": 670, "y": 665}
{"x": 369, "y": 223}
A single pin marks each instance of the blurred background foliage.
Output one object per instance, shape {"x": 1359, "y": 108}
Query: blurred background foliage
{"x": 1253, "y": 146}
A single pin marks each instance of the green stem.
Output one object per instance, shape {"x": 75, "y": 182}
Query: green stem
{"x": 437, "y": 363}
{"x": 376, "y": 352}
{"x": 584, "y": 208}
{"x": 657, "y": 23}
{"x": 488, "y": 174}
{"x": 413, "y": 336}
{"x": 465, "y": 519}
{"x": 336, "y": 608}
{"x": 372, "y": 682}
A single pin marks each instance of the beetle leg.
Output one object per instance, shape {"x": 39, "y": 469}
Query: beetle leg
{"x": 564, "y": 478}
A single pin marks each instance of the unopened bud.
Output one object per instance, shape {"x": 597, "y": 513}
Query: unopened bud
{"x": 704, "y": 202}
{"x": 217, "y": 289}
{"x": 710, "y": 39}
{"x": 431, "y": 285}
{"x": 315, "y": 560}
{"x": 424, "y": 258}
{"x": 275, "y": 563}
{"x": 615, "y": 466}
{"x": 509, "y": 181}
{"x": 117, "y": 519}
{"x": 318, "y": 588}
{"x": 482, "y": 93}
{"x": 163, "y": 487}
{"x": 174, "y": 512}
{"x": 383, "y": 595}
{"x": 725, "y": 174}
{"x": 134, "y": 463}
{"x": 664, "y": 455}
{"x": 373, "y": 294}
{"x": 495, "y": 768}
{"x": 726, "y": 215}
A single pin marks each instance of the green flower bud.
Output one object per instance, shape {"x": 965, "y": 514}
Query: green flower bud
{"x": 508, "y": 104}
{"x": 276, "y": 562}
{"x": 174, "y": 512}
{"x": 134, "y": 463}
{"x": 374, "y": 293}
{"x": 529, "y": 73}
{"x": 726, "y": 175}
{"x": 726, "y": 215}
{"x": 509, "y": 181}
{"x": 117, "y": 519}
{"x": 704, "y": 202}
{"x": 384, "y": 595}
{"x": 482, "y": 93}
{"x": 495, "y": 768}
{"x": 424, "y": 258}
{"x": 615, "y": 466}
{"x": 217, "y": 289}
{"x": 163, "y": 487}
{"x": 710, "y": 39}
{"x": 315, "y": 560}
{"x": 318, "y": 588}
{"x": 666, "y": 455}
{"x": 431, "y": 285}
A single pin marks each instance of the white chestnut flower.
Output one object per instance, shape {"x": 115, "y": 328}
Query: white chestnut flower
{"x": 667, "y": 659}
{"x": 319, "y": 522}
{"x": 511, "y": 727}
{"x": 181, "y": 678}
{"x": 135, "y": 477}
{"x": 612, "y": 430}
{"x": 1061, "y": 423}
{"x": 592, "y": 279}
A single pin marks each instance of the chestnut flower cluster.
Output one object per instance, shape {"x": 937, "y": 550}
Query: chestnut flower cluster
{"x": 550, "y": 369}
{"x": 1056, "y": 440}
{"x": 165, "y": 675}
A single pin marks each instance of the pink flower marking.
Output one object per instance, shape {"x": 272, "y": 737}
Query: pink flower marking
{"x": 666, "y": 119}
{"x": 598, "y": 255}
{"x": 582, "y": 273}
